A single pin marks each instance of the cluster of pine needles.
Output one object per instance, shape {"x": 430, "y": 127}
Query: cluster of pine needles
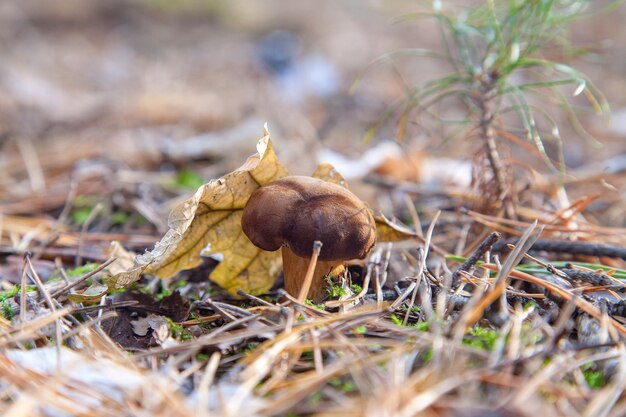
{"x": 498, "y": 330}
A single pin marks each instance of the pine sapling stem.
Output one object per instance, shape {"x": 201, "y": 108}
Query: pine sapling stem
{"x": 486, "y": 95}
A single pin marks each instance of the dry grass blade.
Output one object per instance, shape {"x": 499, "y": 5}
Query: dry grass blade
{"x": 420, "y": 271}
{"x": 566, "y": 295}
{"x": 474, "y": 312}
{"x": 308, "y": 277}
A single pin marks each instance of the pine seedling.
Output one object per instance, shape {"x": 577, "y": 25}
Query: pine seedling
{"x": 499, "y": 59}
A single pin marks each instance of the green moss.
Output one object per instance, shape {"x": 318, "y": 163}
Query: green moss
{"x": 312, "y": 304}
{"x": 428, "y": 355}
{"x": 595, "y": 379}
{"x": 189, "y": 180}
{"x": 7, "y": 311}
{"x": 80, "y": 216}
{"x": 10, "y": 293}
{"x": 420, "y": 325}
{"x": 5, "y": 295}
{"x": 178, "y": 331}
{"x": 359, "y": 330}
{"x": 528, "y": 304}
{"x": 396, "y": 320}
{"x": 250, "y": 348}
{"x": 335, "y": 291}
{"x": 119, "y": 218}
{"x": 169, "y": 290}
{"x": 315, "y": 399}
{"x": 356, "y": 288}
{"x": 81, "y": 270}
{"x": 481, "y": 338}
{"x": 343, "y": 384}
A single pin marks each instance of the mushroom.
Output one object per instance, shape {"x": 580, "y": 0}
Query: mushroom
{"x": 293, "y": 213}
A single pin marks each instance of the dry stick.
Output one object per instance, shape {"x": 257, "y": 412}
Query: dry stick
{"x": 225, "y": 314}
{"x": 256, "y": 299}
{"x": 563, "y": 293}
{"x": 398, "y": 302}
{"x": 53, "y": 309}
{"x": 486, "y": 95}
{"x": 82, "y": 278}
{"x": 303, "y": 306}
{"x": 420, "y": 272}
{"x": 23, "y": 293}
{"x": 207, "y": 340}
{"x": 202, "y": 406}
{"x": 500, "y": 222}
{"x": 564, "y": 215}
{"x": 380, "y": 283}
{"x": 308, "y": 278}
{"x": 112, "y": 306}
{"x": 58, "y": 263}
{"x": 84, "y": 325}
{"x": 27, "y": 330}
{"x": 475, "y": 309}
{"x": 317, "y": 352}
{"x": 484, "y": 246}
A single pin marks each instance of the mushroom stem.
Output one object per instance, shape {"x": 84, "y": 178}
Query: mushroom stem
{"x": 295, "y": 266}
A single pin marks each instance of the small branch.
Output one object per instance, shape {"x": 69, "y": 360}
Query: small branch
{"x": 484, "y": 246}
{"x": 484, "y": 100}
{"x": 82, "y": 278}
{"x": 572, "y": 248}
{"x": 308, "y": 278}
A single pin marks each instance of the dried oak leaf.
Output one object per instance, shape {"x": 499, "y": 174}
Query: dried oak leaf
{"x": 210, "y": 222}
{"x": 391, "y": 231}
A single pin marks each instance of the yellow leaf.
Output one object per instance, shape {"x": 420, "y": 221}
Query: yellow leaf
{"x": 90, "y": 295}
{"x": 327, "y": 172}
{"x": 389, "y": 231}
{"x": 123, "y": 262}
{"x": 124, "y": 259}
{"x": 210, "y": 222}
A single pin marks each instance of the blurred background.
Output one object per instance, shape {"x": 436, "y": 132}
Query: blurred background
{"x": 133, "y": 104}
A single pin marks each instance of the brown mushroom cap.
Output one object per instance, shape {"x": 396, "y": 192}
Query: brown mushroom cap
{"x": 296, "y": 211}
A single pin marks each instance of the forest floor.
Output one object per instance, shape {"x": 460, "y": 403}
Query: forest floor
{"x": 114, "y": 113}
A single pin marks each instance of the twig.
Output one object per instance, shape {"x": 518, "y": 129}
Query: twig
{"x": 82, "y": 278}
{"x": 573, "y": 248}
{"x": 42, "y": 289}
{"x": 308, "y": 278}
{"x": 420, "y": 272}
{"x": 206, "y": 381}
{"x": 475, "y": 309}
{"x": 591, "y": 277}
{"x": 480, "y": 251}
{"x": 255, "y": 299}
{"x": 112, "y": 306}
{"x": 23, "y": 282}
